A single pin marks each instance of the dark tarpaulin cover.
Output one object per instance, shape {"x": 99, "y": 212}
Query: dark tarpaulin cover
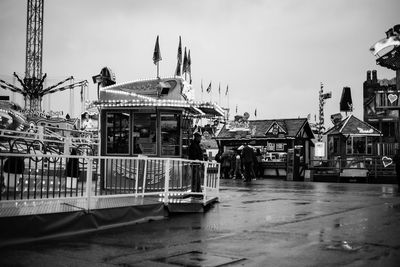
{"x": 24, "y": 229}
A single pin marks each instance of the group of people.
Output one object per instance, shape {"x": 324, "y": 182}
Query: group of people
{"x": 242, "y": 163}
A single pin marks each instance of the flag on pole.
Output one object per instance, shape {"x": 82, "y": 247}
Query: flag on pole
{"x": 179, "y": 64}
{"x": 227, "y": 90}
{"x": 157, "y": 53}
{"x": 185, "y": 62}
{"x": 209, "y": 88}
{"x": 189, "y": 68}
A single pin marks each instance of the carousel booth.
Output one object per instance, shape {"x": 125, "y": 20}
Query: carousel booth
{"x": 284, "y": 144}
{"x": 352, "y": 144}
{"x": 149, "y": 118}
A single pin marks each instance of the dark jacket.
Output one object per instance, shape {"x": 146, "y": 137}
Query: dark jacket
{"x": 195, "y": 151}
{"x": 226, "y": 160}
{"x": 248, "y": 154}
{"x": 72, "y": 167}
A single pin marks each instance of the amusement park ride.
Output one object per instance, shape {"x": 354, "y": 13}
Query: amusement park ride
{"x": 32, "y": 85}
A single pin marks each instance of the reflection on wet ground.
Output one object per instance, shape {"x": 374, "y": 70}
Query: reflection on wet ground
{"x": 266, "y": 223}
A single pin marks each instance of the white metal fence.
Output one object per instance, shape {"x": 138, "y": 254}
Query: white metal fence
{"x": 32, "y": 177}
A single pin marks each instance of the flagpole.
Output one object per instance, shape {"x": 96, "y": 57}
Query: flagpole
{"x": 201, "y": 90}
{"x": 228, "y": 105}
{"x": 219, "y": 94}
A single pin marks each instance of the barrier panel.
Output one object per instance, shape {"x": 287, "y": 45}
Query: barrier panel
{"x": 29, "y": 177}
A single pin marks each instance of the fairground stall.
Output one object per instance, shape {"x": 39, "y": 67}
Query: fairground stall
{"x": 148, "y": 118}
{"x": 280, "y": 142}
{"x": 353, "y": 150}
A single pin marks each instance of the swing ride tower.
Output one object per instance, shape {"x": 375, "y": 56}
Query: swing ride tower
{"x": 32, "y": 85}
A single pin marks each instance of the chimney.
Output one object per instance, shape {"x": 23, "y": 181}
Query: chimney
{"x": 368, "y": 76}
{"x": 374, "y": 77}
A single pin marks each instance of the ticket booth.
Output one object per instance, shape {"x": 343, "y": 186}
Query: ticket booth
{"x": 151, "y": 118}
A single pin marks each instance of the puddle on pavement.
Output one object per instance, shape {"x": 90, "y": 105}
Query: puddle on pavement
{"x": 254, "y": 201}
{"x": 302, "y": 203}
{"x": 345, "y": 246}
{"x": 198, "y": 258}
{"x": 393, "y": 206}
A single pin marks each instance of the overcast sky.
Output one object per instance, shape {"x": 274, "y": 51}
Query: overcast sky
{"x": 272, "y": 54}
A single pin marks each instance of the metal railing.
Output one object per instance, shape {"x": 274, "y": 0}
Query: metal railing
{"x": 46, "y": 142}
{"x": 27, "y": 177}
{"x": 373, "y": 164}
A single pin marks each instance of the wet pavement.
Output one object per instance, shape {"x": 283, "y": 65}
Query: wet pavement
{"x": 265, "y": 223}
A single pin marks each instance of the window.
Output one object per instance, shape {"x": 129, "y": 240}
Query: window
{"x": 388, "y": 128}
{"x": 117, "y": 132}
{"x": 359, "y": 144}
{"x": 349, "y": 146}
{"x": 369, "y": 145}
{"x": 144, "y": 133}
{"x": 335, "y": 145}
{"x": 170, "y": 134}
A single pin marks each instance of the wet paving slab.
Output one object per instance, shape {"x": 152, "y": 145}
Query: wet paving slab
{"x": 265, "y": 223}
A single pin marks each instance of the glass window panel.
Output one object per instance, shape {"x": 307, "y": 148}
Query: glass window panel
{"x": 170, "y": 134}
{"x": 117, "y": 132}
{"x": 369, "y": 145}
{"x": 335, "y": 145}
{"x": 145, "y": 134}
{"x": 349, "y": 146}
{"x": 359, "y": 145}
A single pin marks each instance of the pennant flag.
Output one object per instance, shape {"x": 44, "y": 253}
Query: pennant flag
{"x": 185, "y": 62}
{"x": 227, "y": 90}
{"x": 179, "y": 64}
{"x": 189, "y": 68}
{"x": 157, "y": 53}
{"x": 209, "y": 88}
{"x": 189, "y": 63}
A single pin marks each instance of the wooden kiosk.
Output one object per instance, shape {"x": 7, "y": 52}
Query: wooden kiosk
{"x": 276, "y": 140}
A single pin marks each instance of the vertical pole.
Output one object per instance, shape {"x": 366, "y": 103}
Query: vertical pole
{"x": 166, "y": 181}
{"x": 89, "y": 183}
{"x": 218, "y": 176}
{"x": 144, "y": 176}
{"x": 137, "y": 177}
{"x": 205, "y": 182}
{"x": 71, "y": 101}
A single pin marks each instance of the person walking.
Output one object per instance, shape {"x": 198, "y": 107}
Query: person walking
{"x": 226, "y": 164}
{"x": 237, "y": 171}
{"x": 248, "y": 158}
{"x": 196, "y": 153}
{"x": 258, "y": 166}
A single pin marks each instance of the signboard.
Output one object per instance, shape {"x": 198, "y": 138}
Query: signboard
{"x": 271, "y": 146}
{"x": 280, "y": 147}
{"x": 320, "y": 149}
